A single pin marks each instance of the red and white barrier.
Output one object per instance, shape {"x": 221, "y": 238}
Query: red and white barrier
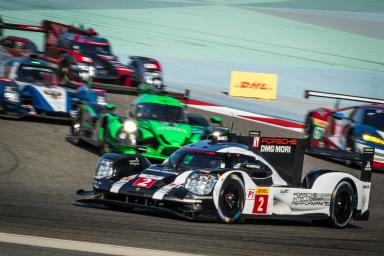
{"x": 273, "y": 121}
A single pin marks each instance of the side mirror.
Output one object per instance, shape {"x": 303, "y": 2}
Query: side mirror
{"x": 338, "y": 115}
{"x": 110, "y": 107}
{"x": 216, "y": 120}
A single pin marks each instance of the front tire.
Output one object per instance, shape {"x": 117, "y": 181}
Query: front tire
{"x": 231, "y": 200}
{"x": 351, "y": 147}
{"x": 105, "y": 147}
{"x": 63, "y": 72}
{"x": 308, "y": 128}
{"x": 341, "y": 208}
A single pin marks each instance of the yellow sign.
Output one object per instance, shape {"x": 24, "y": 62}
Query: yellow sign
{"x": 253, "y": 85}
{"x": 262, "y": 191}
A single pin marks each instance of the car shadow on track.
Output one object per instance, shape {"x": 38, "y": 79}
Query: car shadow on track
{"x": 213, "y": 220}
{"x": 44, "y": 120}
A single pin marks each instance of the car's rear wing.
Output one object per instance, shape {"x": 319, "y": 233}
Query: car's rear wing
{"x": 286, "y": 155}
{"x": 366, "y": 158}
{"x": 24, "y": 27}
{"x": 51, "y": 29}
{"x": 338, "y": 97}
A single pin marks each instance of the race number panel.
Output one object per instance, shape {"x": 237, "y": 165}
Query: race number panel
{"x": 144, "y": 182}
{"x": 261, "y": 201}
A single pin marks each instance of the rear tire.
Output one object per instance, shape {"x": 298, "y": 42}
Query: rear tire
{"x": 76, "y": 130}
{"x": 341, "y": 208}
{"x": 231, "y": 200}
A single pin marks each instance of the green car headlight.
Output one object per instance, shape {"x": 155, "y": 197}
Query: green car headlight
{"x": 200, "y": 183}
{"x": 373, "y": 139}
{"x": 130, "y": 126}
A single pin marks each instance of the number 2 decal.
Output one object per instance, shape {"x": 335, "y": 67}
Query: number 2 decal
{"x": 144, "y": 182}
{"x": 261, "y": 201}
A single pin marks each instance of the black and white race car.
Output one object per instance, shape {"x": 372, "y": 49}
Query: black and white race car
{"x": 241, "y": 177}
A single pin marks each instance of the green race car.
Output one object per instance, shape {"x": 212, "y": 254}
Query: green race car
{"x": 156, "y": 126}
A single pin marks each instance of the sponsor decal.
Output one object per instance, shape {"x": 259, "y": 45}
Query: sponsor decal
{"x": 368, "y": 167}
{"x": 256, "y": 138}
{"x": 150, "y": 66}
{"x": 222, "y": 138}
{"x": 149, "y": 176}
{"x": 276, "y": 145}
{"x": 278, "y": 141}
{"x": 276, "y": 149}
{"x": 53, "y": 94}
{"x": 171, "y": 128}
{"x": 256, "y": 85}
{"x": 284, "y": 191}
{"x": 261, "y": 200}
{"x": 251, "y": 194}
{"x": 134, "y": 162}
{"x": 319, "y": 122}
{"x": 311, "y": 199}
{"x": 253, "y": 85}
{"x": 366, "y": 187}
{"x": 318, "y": 132}
{"x": 144, "y": 182}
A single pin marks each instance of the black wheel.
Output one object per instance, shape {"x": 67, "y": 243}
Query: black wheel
{"x": 308, "y": 128}
{"x": 231, "y": 200}
{"x": 341, "y": 208}
{"x": 75, "y": 130}
{"x": 105, "y": 147}
{"x": 350, "y": 143}
{"x": 63, "y": 72}
{"x": 350, "y": 146}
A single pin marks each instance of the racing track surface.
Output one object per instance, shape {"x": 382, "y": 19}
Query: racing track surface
{"x": 40, "y": 173}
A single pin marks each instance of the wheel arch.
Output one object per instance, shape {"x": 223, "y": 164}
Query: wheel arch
{"x": 247, "y": 181}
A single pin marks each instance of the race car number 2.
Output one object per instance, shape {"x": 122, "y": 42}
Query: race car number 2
{"x": 144, "y": 182}
{"x": 261, "y": 201}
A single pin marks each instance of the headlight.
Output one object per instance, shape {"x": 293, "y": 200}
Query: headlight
{"x": 11, "y": 95}
{"x": 101, "y": 100}
{"x": 200, "y": 184}
{"x": 373, "y": 139}
{"x": 130, "y": 126}
{"x": 104, "y": 169}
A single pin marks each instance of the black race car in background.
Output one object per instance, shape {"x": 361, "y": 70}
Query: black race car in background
{"x": 236, "y": 177}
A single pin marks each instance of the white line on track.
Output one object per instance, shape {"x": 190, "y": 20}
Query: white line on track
{"x": 83, "y": 246}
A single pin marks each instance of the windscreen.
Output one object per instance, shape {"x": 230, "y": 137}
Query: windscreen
{"x": 36, "y": 75}
{"x": 185, "y": 159}
{"x": 374, "y": 118}
{"x": 161, "y": 112}
{"x": 93, "y": 48}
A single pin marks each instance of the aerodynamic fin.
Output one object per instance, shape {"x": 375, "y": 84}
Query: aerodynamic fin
{"x": 339, "y": 97}
{"x": 367, "y": 164}
{"x": 286, "y": 155}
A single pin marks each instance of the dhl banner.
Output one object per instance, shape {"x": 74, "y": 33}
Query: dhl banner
{"x": 253, "y": 85}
